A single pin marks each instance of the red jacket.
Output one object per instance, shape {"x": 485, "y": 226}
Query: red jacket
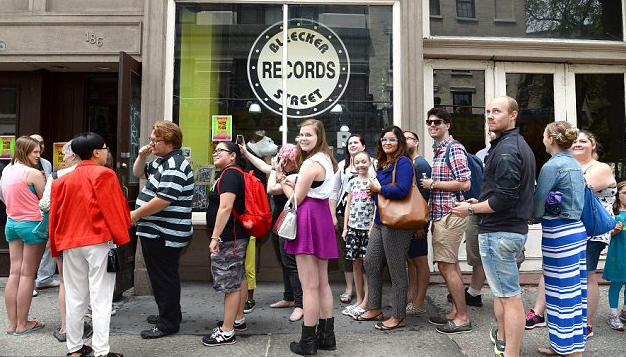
{"x": 87, "y": 207}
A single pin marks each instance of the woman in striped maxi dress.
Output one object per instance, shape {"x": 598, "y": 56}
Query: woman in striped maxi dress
{"x": 558, "y": 203}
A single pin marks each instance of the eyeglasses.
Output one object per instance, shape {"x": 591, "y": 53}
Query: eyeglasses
{"x": 155, "y": 141}
{"x": 388, "y": 140}
{"x": 219, "y": 151}
{"x": 410, "y": 138}
{"x": 437, "y": 122}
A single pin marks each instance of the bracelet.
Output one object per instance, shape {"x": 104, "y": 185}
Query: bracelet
{"x": 470, "y": 210}
{"x": 217, "y": 239}
{"x": 432, "y": 185}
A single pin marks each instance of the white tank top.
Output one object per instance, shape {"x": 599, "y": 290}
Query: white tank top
{"x": 325, "y": 189}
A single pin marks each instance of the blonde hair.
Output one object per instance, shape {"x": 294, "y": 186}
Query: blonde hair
{"x": 564, "y": 133}
{"x": 616, "y": 204}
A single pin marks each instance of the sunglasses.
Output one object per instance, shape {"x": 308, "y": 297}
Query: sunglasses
{"x": 437, "y": 122}
{"x": 388, "y": 140}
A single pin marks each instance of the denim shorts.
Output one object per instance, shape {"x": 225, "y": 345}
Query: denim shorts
{"x": 498, "y": 251}
{"x": 23, "y": 230}
{"x": 594, "y": 248}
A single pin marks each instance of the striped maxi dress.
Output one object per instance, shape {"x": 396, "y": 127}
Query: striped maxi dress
{"x": 565, "y": 269}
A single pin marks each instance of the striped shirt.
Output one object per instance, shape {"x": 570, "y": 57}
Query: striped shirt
{"x": 169, "y": 178}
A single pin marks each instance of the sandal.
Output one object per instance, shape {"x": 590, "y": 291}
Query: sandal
{"x": 345, "y": 298}
{"x": 381, "y": 326}
{"x": 548, "y": 351}
{"x": 378, "y": 317}
{"x": 84, "y": 351}
{"x": 37, "y": 326}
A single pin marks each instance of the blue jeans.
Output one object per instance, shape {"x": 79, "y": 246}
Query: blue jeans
{"x": 498, "y": 251}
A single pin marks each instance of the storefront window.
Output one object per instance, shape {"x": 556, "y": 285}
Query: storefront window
{"x": 228, "y": 75}
{"x": 535, "y": 95}
{"x": 600, "y": 109}
{"x": 8, "y": 110}
{"x": 578, "y": 19}
{"x": 462, "y": 93}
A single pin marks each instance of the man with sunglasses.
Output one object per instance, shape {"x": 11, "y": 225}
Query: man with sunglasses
{"x": 450, "y": 176}
{"x": 163, "y": 218}
{"x": 503, "y": 210}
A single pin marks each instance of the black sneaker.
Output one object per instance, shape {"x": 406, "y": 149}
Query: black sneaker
{"x": 248, "y": 307}
{"x": 153, "y": 333}
{"x": 152, "y": 319}
{"x": 470, "y": 300}
{"x": 218, "y": 338}
{"x": 533, "y": 320}
{"x": 238, "y": 326}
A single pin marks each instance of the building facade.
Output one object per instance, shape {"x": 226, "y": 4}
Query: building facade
{"x": 226, "y": 68}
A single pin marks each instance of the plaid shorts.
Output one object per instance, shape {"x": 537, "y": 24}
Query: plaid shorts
{"x": 227, "y": 266}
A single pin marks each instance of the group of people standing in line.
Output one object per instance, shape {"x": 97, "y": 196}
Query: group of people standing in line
{"x": 337, "y": 216}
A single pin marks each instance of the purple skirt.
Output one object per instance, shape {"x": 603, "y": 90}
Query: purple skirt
{"x": 315, "y": 233}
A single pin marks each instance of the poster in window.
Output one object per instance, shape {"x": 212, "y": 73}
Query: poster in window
{"x": 57, "y": 156}
{"x": 8, "y": 146}
{"x": 222, "y": 128}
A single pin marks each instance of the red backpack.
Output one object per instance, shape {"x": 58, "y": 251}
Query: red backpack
{"x": 257, "y": 217}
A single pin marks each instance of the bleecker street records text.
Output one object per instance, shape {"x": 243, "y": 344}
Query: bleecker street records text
{"x": 317, "y": 70}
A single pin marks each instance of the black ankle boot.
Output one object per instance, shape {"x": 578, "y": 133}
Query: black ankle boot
{"x": 325, "y": 336}
{"x": 306, "y": 346}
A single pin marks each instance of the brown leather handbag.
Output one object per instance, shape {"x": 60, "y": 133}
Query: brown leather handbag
{"x": 408, "y": 213}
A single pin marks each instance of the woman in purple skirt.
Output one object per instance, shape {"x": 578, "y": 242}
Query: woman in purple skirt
{"x": 315, "y": 241}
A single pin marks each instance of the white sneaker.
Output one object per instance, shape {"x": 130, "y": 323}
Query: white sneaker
{"x": 35, "y": 293}
{"x": 51, "y": 283}
{"x": 615, "y": 323}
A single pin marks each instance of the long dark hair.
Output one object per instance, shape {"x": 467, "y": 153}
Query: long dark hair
{"x": 348, "y": 157}
{"x": 401, "y": 150}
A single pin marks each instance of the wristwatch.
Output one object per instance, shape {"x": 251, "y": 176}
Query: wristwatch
{"x": 470, "y": 210}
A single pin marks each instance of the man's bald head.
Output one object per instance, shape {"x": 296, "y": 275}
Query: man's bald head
{"x": 39, "y": 139}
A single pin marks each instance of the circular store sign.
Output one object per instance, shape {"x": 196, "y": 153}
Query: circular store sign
{"x": 318, "y": 68}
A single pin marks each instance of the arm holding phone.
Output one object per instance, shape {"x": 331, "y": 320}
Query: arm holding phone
{"x": 256, "y": 161}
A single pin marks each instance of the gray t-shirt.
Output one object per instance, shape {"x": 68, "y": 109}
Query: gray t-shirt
{"x": 361, "y": 206}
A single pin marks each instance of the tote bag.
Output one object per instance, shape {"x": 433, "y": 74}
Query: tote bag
{"x": 595, "y": 218}
{"x": 408, "y": 213}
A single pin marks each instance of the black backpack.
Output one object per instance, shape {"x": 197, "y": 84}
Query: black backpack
{"x": 476, "y": 168}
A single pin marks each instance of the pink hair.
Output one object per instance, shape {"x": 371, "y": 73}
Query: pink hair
{"x": 287, "y": 152}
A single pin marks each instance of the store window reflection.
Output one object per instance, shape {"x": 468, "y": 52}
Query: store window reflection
{"x": 535, "y": 95}
{"x": 215, "y": 46}
{"x": 462, "y": 93}
{"x": 576, "y": 19}
{"x": 600, "y": 109}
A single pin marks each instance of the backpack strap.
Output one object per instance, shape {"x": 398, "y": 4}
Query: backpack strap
{"x": 244, "y": 185}
{"x": 447, "y": 155}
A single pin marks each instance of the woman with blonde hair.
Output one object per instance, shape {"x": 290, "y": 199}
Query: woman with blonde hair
{"x": 315, "y": 241}
{"x": 558, "y": 205}
{"x": 22, "y": 185}
{"x": 600, "y": 178}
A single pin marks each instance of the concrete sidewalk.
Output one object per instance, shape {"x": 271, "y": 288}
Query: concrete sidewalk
{"x": 270, "y": 332}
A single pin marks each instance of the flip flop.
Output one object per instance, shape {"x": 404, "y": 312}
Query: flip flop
{"x": 381, "y": 326}
{"x": 378, "y": 317}
{"x": 548, "y": 351}
{"x": 38, "y": 326}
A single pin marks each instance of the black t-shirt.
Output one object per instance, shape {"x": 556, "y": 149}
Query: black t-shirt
{"x": 279, "y": 205}
{"x": 230, "y": 181}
